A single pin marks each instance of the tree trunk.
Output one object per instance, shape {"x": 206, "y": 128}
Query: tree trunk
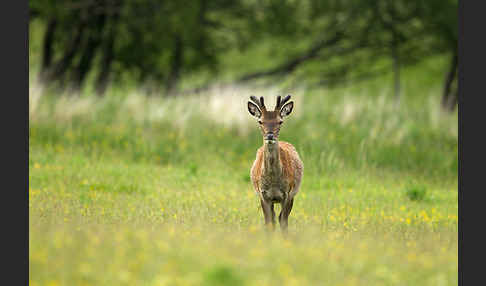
{"x": 396, "y": 72}
{"x": 64, "y": 63}
{"x": 47, "y": 48}
{"x": 450, "y": 97}
{"x": 175, "y": 65}
{"x": 108, "y": 54}
{"x": 92, "y": 44}
{"x": 33, "y": 14}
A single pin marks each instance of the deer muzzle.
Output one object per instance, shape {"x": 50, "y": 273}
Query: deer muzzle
{"x": 270, "y": 137}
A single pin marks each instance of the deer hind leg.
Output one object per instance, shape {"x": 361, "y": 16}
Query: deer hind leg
{"x": 283, "y": 218}
{"x": 268, "y": 213}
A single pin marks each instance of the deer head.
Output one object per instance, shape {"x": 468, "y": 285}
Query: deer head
{"x": 270, "y": 121}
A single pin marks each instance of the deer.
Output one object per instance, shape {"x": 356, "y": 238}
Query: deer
{"x": 277, "y": 171}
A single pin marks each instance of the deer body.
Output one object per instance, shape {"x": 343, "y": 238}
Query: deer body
{"x": 277, "y": 171}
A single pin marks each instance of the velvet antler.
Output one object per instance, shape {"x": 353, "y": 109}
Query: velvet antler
{"x": 260, "y": 103}
{"x": 281, "y": 102}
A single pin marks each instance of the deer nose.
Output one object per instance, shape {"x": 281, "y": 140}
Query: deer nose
{"x": 269, "y": 136}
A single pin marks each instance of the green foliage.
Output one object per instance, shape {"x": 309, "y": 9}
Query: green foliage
{"x": 161, "y": 43}
{"x": 193, "y": 169}
{"x": 416, "y": 192}
{"x": 222, "y": 276}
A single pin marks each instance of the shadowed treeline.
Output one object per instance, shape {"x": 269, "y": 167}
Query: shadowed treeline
{"x": 160, "y": 43}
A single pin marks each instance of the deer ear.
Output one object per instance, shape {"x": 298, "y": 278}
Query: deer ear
{"x": 254, "y": 110}
{"x": 286, "y": 109}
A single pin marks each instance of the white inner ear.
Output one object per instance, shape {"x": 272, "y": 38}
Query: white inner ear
{"x": 256, "y": 112}
{"x": 286, "y": 110}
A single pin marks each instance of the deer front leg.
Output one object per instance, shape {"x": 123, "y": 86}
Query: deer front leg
{"x": 268, "y": 213}
{"x": 283, "y": 218}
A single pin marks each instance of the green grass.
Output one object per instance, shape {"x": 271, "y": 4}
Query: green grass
{"x": 129, "y": 190}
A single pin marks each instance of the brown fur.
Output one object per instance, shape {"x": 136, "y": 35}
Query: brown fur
{"x": 277, "y": 170}
{"x": 292, "y": 167}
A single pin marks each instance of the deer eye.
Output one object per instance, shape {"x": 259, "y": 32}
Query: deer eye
{"x": 280, "y": 123}
{"x": 260, "y": 122}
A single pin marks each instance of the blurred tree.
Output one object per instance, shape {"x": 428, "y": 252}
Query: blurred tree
{"x": 154, "y": 41}
{"x": 349, "y": 37}
{"x": 441, "y": 22}
{"x": 159, "y": 42}
{"x": 108, "y": 49}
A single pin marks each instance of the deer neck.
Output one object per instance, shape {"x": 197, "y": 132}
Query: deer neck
{"x": 272, "y": 166}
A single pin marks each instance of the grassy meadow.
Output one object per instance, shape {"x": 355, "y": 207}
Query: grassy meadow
{"x": 133, "y": 190}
